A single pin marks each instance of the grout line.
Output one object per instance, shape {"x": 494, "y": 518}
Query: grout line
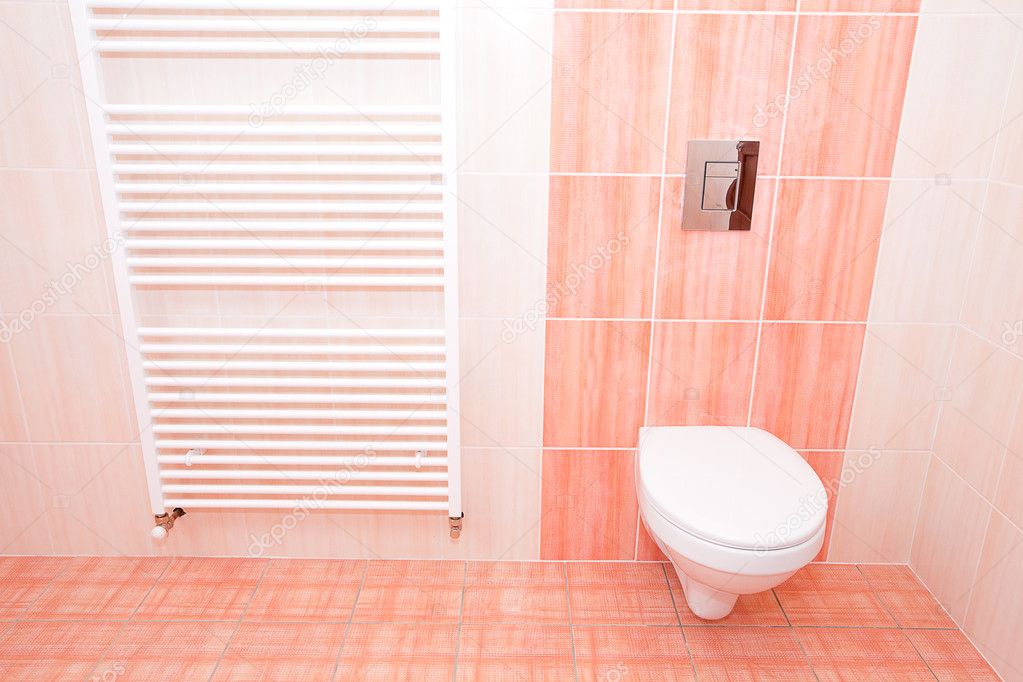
{"x": 571, "y": 624}
{"x": 678, "y": 618}
{"x": 351, "y": 617}
{"x": 461, "y": 619}
{"x": 241, "y": 616}
{"x": 774, "y": 217}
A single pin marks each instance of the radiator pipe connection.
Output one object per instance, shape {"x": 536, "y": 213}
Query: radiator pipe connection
{"x": 164, "y": 523}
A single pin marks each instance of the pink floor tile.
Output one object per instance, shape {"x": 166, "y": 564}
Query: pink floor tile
{"x": 950, "y": 655}
{"x": 508, "y": 592}
{"x": 59, "y": 650}
{"x": 386, "y": 652}
{"x": 742, "y": 653}
{"x": 906, "y": 599}
{"x": 862, "y": 654}
{"x": 282, "y": 651}
{"x": 512, "y": 652}
{"x": 203, "y": 589}
{"x": 151, "y": 652}
{"x": 307, "y": 589}
{"x": 832, "y": 595}
{"x": 640, "y": 653}
{"x": 620, "y": 594}
{"x": 761, "y": 608}
{"x": 24, "y": 579}
{"x": 99, "y": 587}
{"x": 411, "y": 591}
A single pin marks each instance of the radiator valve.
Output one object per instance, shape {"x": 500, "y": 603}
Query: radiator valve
{"x": 456, "y": 525}
{"x": 164, "y": 523}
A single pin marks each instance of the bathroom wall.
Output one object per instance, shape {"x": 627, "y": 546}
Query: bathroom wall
{"x": 933, "y": 475}
{"x": 69, "y": 460}
{"x": 649, "y": 325}
{"x": 586, "y": 312}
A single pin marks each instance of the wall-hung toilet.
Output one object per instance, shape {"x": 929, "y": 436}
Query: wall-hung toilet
{"x": 735, "y": 509}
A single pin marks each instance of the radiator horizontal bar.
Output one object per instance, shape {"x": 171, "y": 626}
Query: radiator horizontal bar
{"x": 269, "y": 5}
{"x": 247, "y": 226}
{"x": 368, "y": 505}
{"x": 382, "y": 168}
{"x": 367, "y": 244}
{"x": 234, "y": 444}
{"x": 413, "y": 149}
{"x": 299, "y": 474}
{"x": 294, "y": 333}
{"x": 317, "y": 188}
{"x": 285, "y": 262}
{"x": 296, "y": 365}
{"x": 385, "y": 430}
{"x": 279, "y": 46}
{"x": 290, "y": 398}
{"x": 362, "y": 27}
{"x": 322, "y": 413}
{"x": 293, "y": 109}
{"x": 298, "y": 382}
{"x": 356, "y": 462}
{"x": 292, "y": 280}
{"x": 223, "y": 206}
{"x": 289, "y": 349}
{"x": 324, "y": 489}
{"x": 353, "y": 128}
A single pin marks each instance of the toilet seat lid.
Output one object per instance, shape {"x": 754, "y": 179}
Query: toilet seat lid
{"x": 739, "y": 487}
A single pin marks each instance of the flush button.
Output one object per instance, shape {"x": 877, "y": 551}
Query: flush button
{"x": 718, "y": 178}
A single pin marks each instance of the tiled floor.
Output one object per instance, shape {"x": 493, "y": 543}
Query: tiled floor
{"x": 151, "y": 619}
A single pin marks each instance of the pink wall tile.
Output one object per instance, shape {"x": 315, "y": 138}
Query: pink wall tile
{"x": 701, "y": 373}
{"x": 724, "y": 65}
{"x": 806, "y": 376}
{"x": 949, "y": 538}
{"x": 846, "y": 122}
{"x": 824, "y": 251}
{"x": 740, "y": 5}
{"x": 601, "y": 243}
{"x": 860, "y": 5}
{"x": 610, "y": 85}
{"x": 712, "y": 275}
{"x": 828, "y": 466}
{"x": 646, "y": 548}
{"x": 594, "y": 383}
{"x": 589, "y": 506}
{"x": 613, "y": 4}
{"x": 997, "y": 598}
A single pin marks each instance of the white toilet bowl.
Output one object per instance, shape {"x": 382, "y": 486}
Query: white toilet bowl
{"x": 735, "y": 509}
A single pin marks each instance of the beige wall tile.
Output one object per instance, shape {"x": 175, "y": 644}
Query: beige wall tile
{"x": 926, "y": 248}
{"x": 902, "y": 369}
{"x": 983, "y": 385}
{"x": 503, "y": 246}
{"x": 997, "y": 602}
{"x": 949, "y": 538}
{"x": 877, "y": 506}
{"x": 951, "y": 115}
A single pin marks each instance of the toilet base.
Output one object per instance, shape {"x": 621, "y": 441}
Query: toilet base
{"x": 703, "y": 600}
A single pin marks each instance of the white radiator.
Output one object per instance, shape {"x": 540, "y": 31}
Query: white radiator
{"x": 211, "y": 199}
